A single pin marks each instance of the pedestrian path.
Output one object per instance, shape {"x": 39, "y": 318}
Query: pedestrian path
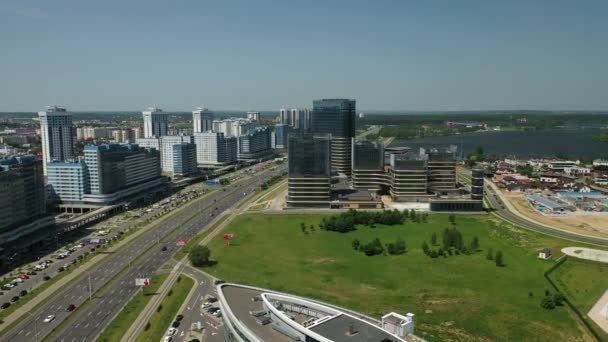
{"x": 586, "y": 253}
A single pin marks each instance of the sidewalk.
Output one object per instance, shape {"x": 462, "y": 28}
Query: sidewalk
{"x": 144, "y": 316}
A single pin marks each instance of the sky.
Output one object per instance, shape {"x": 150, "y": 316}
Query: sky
{"x": 264, "y": 55}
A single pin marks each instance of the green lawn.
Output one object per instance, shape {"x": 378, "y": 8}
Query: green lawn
{"x": 161, "y": 320}
{"x": 121, "y": 323}
{"x": 458, "y": 297}
{"x": 582, "y": 281}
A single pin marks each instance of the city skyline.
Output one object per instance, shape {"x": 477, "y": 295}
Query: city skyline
{"x": 399, "y": 56}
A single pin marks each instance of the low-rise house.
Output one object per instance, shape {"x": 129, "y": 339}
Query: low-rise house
{"x": 544, "y": 253}
{"x": 550, "y": 177}
{"x": 514, "y": 182}
{"x": 577, "y": 171}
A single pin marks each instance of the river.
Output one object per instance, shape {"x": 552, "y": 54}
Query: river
{"x": 523, "y": 144}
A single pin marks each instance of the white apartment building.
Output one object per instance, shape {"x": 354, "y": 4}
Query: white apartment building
{"x": 57, "y": 135}
{"x": 202, "y": 120}
{"x": 165, "y": 145}
{"x": 234, "y": 127}
{"x": 156, "y": 122}
{"x": 86, "y": 133}
{"x": 214, "y": 148}
{"x": 253, "y": 116}
{"x": 123, "y": 135}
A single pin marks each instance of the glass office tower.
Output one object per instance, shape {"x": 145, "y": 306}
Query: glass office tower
{"x": 336, "y": 117}
{"x": 309, "y": 170}
{"x": 368, "y": 166}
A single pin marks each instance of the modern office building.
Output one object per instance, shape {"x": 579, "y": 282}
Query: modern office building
{"x": 281, "y": 131}
{"x": 202, "y": 120}
{"x": 298, "y": 119}
{"x": 57, "y": 135}
{"x": 254, "y": 145}
{"x": 336, "y": 117}
{"x": 215, "y": 149}
{"x": 477, "y": 179}
{"x": 184, "y": 159}
{"x": 441, "y": 165}
{"x": 309, "y": 167}
{"x": 23, "y": 211}
{"x": 408, "y": 176}
{"x": 368, "y": 167}
{"x": 254, "y": 116}
{"x": 109, "y": 173}
{"x": 68, "y": 181}
{"x": 156, "y": 122}
{"x": 253, "y": 314}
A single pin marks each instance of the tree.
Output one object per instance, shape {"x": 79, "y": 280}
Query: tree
{"x": 311, "y": 228}
{"x": 398, "y": 247}
{"x": 199, "y": 255}
{"x": 425, "y": 248}
{"x": 303, "y": 228}
{"x": 434, "y": 239}
{"x": 425, "y": 217}
{"x": 413, "y": 215}
{"x": 490, "y": 255}
{"x": 452, "y": 219}
{"x": 498, "y": 259}
{"x": 547, "y": 303}
{"x": 474, "y": 245}
{"x": 558, "y": 299}
{"x": 373, "y": 248}
{"x": 356, "y": 243}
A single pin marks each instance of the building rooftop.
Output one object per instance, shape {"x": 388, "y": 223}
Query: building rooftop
{"x": 321, "y": 321}
{"x": 339, "y": 329}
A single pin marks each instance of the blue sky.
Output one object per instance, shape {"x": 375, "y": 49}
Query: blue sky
{"x": 240, "y": 55}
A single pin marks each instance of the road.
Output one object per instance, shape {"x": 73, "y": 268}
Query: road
{"x": 98, "y": 312}
{"x": 491, "y": 196}
{"x": 214, "y": 331}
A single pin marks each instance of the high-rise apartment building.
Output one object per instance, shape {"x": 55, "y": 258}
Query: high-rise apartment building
{"x": 254, "y": 116}
{"x": 125, "y": 135}
{"x": 368, "y": 166}
{"x": 184, "y": 159}
{"x": 57, "y": 135}
{"x": 255, "y": 144}
{"x": 167, "y": 151}
{"x": 234, "y": 127}
{"x": 108, "y": 174}
{"x": 202, "y": 120}
{"x": 214, "y": 148}
{"x": 296, "y": 118}
{"x": 23, "y": 214}
{"x": 156, "y": 122}
{"x": 281, "y": 131}
{"x": 309, "y": 167}
{"x": 336, "y": 117}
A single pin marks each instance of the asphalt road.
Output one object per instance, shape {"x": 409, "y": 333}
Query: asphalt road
{"x": 214, "y": 330}
{"x": 506, "y": 214}
{"x": 100, "y": 310}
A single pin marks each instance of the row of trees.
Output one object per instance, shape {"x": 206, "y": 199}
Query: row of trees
{"x": 452, "y": 244}
{"x": 345, "y": 222}
{"x": 375, "y": 247}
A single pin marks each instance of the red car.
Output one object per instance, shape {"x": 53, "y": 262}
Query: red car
{"x": 71, "y": 307}
{"x": 24, "y": 276}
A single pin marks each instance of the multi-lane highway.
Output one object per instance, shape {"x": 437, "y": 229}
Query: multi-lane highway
{"x": 504, "y": 213}
{"x": 142, "y": 257}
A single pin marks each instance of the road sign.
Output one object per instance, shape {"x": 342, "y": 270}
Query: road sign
{"x": 142, "y": 282}
{"x": 228, "y": 236}
{"x": 181, "y": 242}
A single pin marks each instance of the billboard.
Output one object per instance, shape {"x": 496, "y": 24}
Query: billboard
{"x": 142, "y": 282}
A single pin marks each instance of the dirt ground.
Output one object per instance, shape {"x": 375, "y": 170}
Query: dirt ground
{"x": 595, "y": 225}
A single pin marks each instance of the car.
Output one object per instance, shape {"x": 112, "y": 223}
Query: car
{"x": 1, "y": 293}
{"x": 218, "y": 281}
{"x": 5, "y": 305}
{"x": 48, "y": 261}
{"x": 212, "y": 309}
{"x": 24, "y": 276}
{"x": 168, "y": 339}
{"x": 171, "y": 331}
{"x": 14, "y": 299}
{"x": 195, "y": 340}
{"x": 46, "y": 277}
{"x": 179, "y": 318}
{"x": 175, "y": 324}
{"x": 8, "y": 286}
{"x": 206, "y": 306}
{"x": 60, "y": 269}
{"x": 66, "y": 266}
{"x": 164, "y": 248}
{"x": 22, "y": 293}
{"x": 49, "y": 318}
{"x": 217, "y": 312}
{"x": 71, "y": 307}
{"x": 31, "y": 273}
{"x": 18, "y": 280}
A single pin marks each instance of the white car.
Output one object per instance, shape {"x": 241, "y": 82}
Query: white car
{"x": 18, "y": 280}
{"x": 49, "y": 318}
{"x": 9, "y": 286}
{"x": 168, "y": 338}
{"x": 172, "y": 331}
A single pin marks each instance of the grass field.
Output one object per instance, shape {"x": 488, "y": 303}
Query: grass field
{"x": 121, "y": 323}
{"x": 455, "y": 298}
{"x": 161, "y": 320}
